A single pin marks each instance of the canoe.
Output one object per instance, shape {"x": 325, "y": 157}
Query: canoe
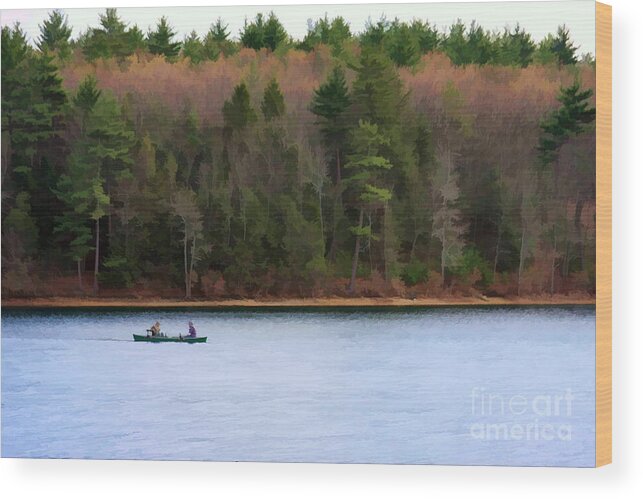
{"x": 169, "y": 339}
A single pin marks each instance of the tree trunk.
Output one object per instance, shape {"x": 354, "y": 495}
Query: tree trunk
{"x": 97, "y": 256}
{"x": 337, "y": 204}
{"x": 495, "y": 259}
{"x": 185, "y": 263}
{"x": 522, "y": 258}
{"x": 321, "y": 219}
{"x": 443, "y": 254}
{"x": 191, "y": 266}
{"x": 351, "y": 287}
{"x": 80, "y": 275}
{"x": 553, "y": 266}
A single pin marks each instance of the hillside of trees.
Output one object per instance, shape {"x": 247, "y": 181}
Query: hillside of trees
{"x": 394, "y": 161}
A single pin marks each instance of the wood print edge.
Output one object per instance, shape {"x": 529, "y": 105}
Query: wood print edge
{"x": 603, "y": 234}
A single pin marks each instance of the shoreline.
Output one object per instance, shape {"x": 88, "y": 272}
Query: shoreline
{"x": 295, "y": 302}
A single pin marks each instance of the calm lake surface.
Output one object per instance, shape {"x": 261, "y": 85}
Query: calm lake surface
{"x": 456, "y": 385}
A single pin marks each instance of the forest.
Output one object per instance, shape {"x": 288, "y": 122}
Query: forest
{"x": 392, "y": 160}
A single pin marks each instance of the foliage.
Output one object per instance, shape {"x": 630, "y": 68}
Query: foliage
{"x": 55, "y": 35}
{"x": 238, "y": 112}
{"x": 450, "y": 159}
{"x": 415, "y": 272}
{"x": 570, "y": 119}
{"x": 272, "y": 105}
{"x": 263, "y": 33}
{"x": 160, "y": 41}
{"x": 471, "y": 262}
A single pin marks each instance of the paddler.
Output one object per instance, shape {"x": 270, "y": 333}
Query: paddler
{"x": 155, "y": 329}
{"x": 191, "y": 330}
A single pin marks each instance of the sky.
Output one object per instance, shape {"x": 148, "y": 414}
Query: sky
{"x": 538, "y": 18}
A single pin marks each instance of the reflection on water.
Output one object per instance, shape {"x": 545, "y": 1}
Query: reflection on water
{"x": 459, "y": 385}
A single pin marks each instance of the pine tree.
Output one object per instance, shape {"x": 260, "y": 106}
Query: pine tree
{"x": 99, "y": 156}
{"x": 324, "y": 31}
{"x": 263, "y": 33}
{"x": 378, "y": 93}
{"x": 253, "y": 33}
{"x": 193, "y": 49}
{"x": 16, "y": 95}
{"x": 330, "y": 104}
{"x": 217, "y": 42}
{"x": 515, "y": 48}
{"x": 427, "y": 36}
{"x": 112, "y": 39}
{"x": 20, "y": 222}
{"x": 401, "y": 46}
{"x": 160, "y": 41}
{"x": 238, "y": 112}
{"x": 479, "y": 46}
{"x": 55, "y": 35}
{"x": 274, "y": 32}
{"x": 33, "y": 109}
{"x": 366, "y": 166}
{"x": 569, "y": 120}
{"x": 273, "y": 105}
{"x": 455, "y": 44}
{"x": 563, "y": 48}
{"x": 85, "y": 99}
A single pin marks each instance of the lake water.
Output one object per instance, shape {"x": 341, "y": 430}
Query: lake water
{"x": 456, "y": 385}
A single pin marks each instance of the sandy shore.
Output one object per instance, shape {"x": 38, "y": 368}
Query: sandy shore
{"x": 299, "y": 302}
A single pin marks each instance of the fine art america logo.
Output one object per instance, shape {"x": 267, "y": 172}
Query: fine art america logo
{"x": 520, "y": 417}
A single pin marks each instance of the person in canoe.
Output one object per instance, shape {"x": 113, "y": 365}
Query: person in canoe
{"x": 191, "y": 330}
{"x": 155, "y": 330}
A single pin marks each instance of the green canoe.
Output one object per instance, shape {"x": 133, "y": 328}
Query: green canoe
{"x": 170, "y": 339}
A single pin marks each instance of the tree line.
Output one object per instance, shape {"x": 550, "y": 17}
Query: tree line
{"x": 396, "y": 161}
{"x": 403, "y": 42}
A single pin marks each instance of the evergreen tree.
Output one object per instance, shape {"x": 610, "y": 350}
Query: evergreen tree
{"x": 16, "y": 98}
{"x": 217, "y": 41}
{"x": 569, "y": 120}
{"x": 273, "y": 105}
{"x": 238, "y": 112}
{"x": 401, "y": 45}
{"x": 427, "y": 36}
{"x": 330, "y": 104}
{"x": 112, "y": 39}
{"x": 193, "y": 49}
{"x": 274, "y": 32}
{"x": 563, "y": 48}
{"x": 324, "y": 31}
{"x": 33, "y": 108}
{"x": 262, "y": 33}
{"x": 252, "y": 34}
{"x": 219, "y": 31}
{"x": 85, "y": 99}
{"x": 480, "y": 49}
{"x": 21, "y": 224}
{"x": 55, "y": 35}
{"x": 101, "y": 153}
{"x": 378, "y": 93}
{"x": 160, "y": 41}
{"x": 455, "y": 44}
{"x": 374, "y": 34}
{"x": 515, "y": 48}
{"x": 366, "y": 166}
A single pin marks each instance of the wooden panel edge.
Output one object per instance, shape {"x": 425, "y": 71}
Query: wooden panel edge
{"x": 603, "y": 234}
